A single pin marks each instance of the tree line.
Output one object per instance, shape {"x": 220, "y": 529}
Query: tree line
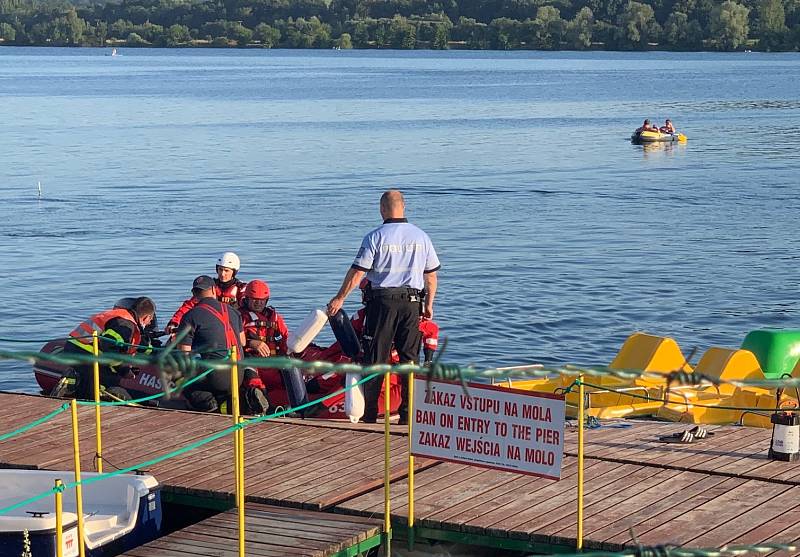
{"x": 408, "y": 24}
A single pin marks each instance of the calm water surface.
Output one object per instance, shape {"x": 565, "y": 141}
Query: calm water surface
{"x": 558, "y": 237}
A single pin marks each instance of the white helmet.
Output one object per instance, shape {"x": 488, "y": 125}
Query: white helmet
{"x": 229, "y": 260}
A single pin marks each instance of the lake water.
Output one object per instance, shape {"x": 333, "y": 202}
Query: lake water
{"x": 558, "y": 238}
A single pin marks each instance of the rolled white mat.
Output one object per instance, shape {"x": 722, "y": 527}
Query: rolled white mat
{"x": 353, "y": 398}
{"x": 306, "y": 331}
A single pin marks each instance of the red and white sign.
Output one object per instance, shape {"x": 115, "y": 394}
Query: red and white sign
{"x": 508, "y": 429}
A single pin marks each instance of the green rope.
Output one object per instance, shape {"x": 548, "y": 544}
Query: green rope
{"x": 34, "y": 423}
{"x": 185, "y": 364}
{"x": 183, "y": 450}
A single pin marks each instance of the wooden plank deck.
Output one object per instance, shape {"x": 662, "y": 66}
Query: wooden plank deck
{"x": 720, "y": 490}
{"x": 288, "y": 462}
{"x": 269, "y": 532}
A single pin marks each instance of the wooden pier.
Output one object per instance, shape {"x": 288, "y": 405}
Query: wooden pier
{"x": 269, "y": 532}
{"x": 716, "y": 491}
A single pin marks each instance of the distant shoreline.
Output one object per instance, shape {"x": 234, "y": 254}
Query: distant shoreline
{"x": 202, "y": 45}
{"x": 540, "y": 25}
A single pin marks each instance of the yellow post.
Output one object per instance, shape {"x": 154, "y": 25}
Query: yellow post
{"x": 98, "y": 433}
{"x": 76, "y": 455}
{"x": 410, "y": 463}
{"x": 581, "y": 420}
{"x": 59, "y": 521}
{"x": 238, "y": 448}
{"x": 240, "y": 432}
{"x": 235, "y": 413}
{"x": 387, "y": 521}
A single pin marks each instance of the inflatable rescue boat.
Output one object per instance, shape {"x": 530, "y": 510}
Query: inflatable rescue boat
{"x": 656, "y": 137}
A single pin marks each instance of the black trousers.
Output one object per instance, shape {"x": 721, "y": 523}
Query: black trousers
{"x": 84, "y": 375}
{"x": 391, "y": 319}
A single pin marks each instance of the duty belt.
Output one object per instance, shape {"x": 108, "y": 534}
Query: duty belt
{"x": 412, "y": 294}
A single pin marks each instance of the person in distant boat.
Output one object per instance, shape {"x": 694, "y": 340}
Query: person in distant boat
{"x": 120, "y": 330}
{"x": 647, "y": 127}
{"x": 400, "y": 261}
{"x": 667, "y": 127}
{"x": 213, "y": 329}
{"x": 227, "y": 288}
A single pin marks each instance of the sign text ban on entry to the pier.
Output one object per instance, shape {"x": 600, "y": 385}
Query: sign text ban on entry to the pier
{"x": 507, "y": 429}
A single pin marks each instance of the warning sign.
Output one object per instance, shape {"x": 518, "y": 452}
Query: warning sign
{"x": 508, "y": 429}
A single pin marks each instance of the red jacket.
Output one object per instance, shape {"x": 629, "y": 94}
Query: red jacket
{"x": 267, "y": 327}
{"x": 231, "y": 295}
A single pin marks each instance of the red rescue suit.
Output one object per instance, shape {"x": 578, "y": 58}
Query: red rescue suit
{"x": 268, "y": 327}
{"x": 231, "y": 294}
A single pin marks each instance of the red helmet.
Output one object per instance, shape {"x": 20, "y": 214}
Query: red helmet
{"x": 256, "y": 290}
{"x": 364, "y": 284}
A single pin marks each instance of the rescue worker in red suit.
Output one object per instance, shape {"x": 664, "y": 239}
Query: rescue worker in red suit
{"x": 265, "y": 335}
{"x": 227, "y": 288}
{"x": 120, "y": 330}
{"x": 330, "y": 382}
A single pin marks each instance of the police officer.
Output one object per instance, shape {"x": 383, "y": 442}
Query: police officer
{"x": 399, "y": 260}
{"x": 214, "y": 328}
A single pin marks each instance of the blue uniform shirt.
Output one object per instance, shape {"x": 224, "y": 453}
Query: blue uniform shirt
{"x": 396, "y": 254}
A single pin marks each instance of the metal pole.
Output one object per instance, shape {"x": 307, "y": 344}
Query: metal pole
{"x": 98, "y": 434}
{"x": 234, "y": 409}
{"x": 581, "y": 420}
{"x": 410, "y": 463}
{"x": 59, "y": 521}
{"x": 76, "y": 456}
{"x": 240, "y": 433}
{"x": 387, "y": 522}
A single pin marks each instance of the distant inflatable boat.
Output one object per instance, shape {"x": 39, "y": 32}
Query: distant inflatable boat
{"x": 656, "y": 137}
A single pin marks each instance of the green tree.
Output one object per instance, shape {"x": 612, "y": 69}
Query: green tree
{"x": 441, "y": 39}
{"x": 267, "y": 35}
{"x": 177, "y": 35}
{"x": 73, "y": 27}
{"x": 402, "y": 34}
{"x": 676, "y": 30}
{"x": 345, "y": 41}
{"x": 772, "y": 28}
{"x": 472, "y": 33}
{"x": 360, "y": 34}
{"x": 239, "y": 33}
{"x": 504, "y": 33}
{"x": 637, "y": 26}
{"x": 729, "y": 25}
{"x": 7, "y": 33}
{"x": 100, "y": 32}
{"x": 579, "y": 30}
{"x": 134, "y": 39}
{"x": 548, "y": 28}
{"x": 120, "y": 29}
